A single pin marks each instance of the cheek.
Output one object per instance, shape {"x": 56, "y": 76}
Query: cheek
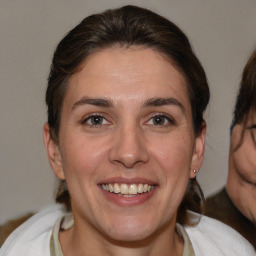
{"x": 83, "y": 156}
{"x": 245, "y": 159}
{"x": 176, "y": 169}
{"x": 174, "y": 155}
{"x": 249, "y": 159}
{"x": 174, "y": 159}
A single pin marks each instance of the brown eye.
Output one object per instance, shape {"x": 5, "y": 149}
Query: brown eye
{"x": 160, "y": 120}
{"x": 95, "y": 120}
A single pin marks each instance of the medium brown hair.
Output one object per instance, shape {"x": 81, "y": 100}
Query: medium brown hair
{"x": 127, "y": 27}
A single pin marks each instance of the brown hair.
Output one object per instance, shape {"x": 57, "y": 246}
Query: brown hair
{"x": 126, "y": 27}
{"x": 246, "y": 97}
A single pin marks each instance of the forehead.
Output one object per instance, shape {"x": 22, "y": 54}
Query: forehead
{"x": 128, "y": 75}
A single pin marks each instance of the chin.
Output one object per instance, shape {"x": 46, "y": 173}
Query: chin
{"x": 129, "y": 231}
{"x": 131, "y": 236}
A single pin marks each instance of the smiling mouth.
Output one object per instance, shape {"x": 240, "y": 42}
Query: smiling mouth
{"x": 127, "y": 189}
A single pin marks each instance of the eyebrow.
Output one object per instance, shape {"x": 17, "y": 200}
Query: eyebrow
{"x": 100, "y": 102}
{"x": 156, "y": 102}
{"x": 153, "y": 102}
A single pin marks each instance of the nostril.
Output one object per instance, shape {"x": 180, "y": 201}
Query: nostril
{"x": 130, "y": 159}
{"x": 128, "y": 164}
{"x": 129, "y": 148}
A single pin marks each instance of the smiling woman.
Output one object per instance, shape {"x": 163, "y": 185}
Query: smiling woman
{"x": 142, "y": 135}
{"x": 125, "y": 136}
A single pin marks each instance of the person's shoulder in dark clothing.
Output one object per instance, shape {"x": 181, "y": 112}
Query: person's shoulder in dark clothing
{"x": 218, "y": 206}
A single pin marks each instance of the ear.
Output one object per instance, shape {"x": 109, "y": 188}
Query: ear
{"x": 198, "y": 154}
{"x": 53, "y": 153}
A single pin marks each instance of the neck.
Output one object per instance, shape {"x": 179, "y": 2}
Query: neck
{"x": 242, "y": 193}
{"x": 77, "y": 241}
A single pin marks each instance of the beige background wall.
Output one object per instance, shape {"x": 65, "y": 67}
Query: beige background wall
{"x": 223, "y": 33}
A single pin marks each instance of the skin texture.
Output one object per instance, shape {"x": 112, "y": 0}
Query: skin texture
{"x": 241, "y": 183}
{"x": 126, "y": 147}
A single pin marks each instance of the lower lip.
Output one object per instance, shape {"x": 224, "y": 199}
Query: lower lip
{"x": 128, "y": 201}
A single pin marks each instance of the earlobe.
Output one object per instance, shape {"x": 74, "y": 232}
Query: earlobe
{"x": 198, "y": 154}
{"x": 53, "y": 153}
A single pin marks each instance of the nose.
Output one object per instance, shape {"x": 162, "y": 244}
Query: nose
{"x": 129, "y": 147}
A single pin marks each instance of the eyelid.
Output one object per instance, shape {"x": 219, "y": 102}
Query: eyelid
{"x": 253, "y": 126}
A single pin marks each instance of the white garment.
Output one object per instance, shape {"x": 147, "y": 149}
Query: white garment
{"x": 32, "y": 238}
{"x": 213, "y": 238}
{"x": 209, "y": 237}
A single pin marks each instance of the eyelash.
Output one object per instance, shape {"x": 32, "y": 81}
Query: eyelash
{"x": 252, "y": 126}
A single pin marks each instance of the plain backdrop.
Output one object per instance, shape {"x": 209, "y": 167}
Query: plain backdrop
{"x": 222, "y": 33}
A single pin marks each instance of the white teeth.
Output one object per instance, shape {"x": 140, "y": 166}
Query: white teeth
{"x": 116, "y": 188}
{"x": 105, "y": 187}
{"x": 125, "y": 189}
{"x": 133, "y": 189}
{"x": 111, "y": 188}
{"x": 140, "y": 188}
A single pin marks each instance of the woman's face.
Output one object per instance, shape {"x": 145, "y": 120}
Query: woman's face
{"x": 244, "y": 157}
{"x": 126, "y": 143}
